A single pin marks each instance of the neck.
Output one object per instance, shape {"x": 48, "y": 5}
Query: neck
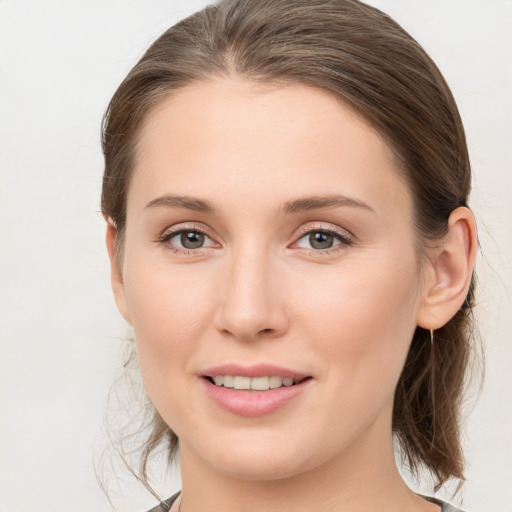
{"x": 359, "y": 479}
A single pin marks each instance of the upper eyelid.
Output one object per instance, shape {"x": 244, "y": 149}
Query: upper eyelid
{"x": 173, "y": 231}
{"x": 300, "y": 233}
{"x": 302, "y": 230}
{"x": 330, "y": 228}
{"x": 179, "y": 228}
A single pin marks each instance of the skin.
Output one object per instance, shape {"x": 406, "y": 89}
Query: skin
{"x": 258, "y": 291}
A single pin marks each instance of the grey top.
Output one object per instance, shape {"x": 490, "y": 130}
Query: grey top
{"x": 166, "y": 505}
{"x": 445, "y": 507}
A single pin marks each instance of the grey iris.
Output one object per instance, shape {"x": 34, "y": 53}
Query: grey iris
{"x": 321, "y": 240}
{"x": 192, "y": 239}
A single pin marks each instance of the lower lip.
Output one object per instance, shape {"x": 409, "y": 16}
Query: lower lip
{"x": 253, "y": 403}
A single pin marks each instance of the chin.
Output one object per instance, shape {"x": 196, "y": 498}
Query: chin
{"x": 261, "y": 458}
{"x": 261, "y": 468}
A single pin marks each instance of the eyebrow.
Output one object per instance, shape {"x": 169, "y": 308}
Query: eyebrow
{"x": 293, "y": 206}
{"x": 317, "y": 202}
{"x": 186, "y": 202}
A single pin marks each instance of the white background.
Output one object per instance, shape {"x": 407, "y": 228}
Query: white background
{"x": 61, "y": 338}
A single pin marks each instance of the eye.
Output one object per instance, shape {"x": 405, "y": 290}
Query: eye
{"x": 322, "y": 239}
{"x": 186, "y": 240}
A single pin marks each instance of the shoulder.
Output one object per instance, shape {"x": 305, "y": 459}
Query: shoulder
{"x": 450, "y": 508}
{"x": 445, "y": 507}
{"x": 165, "y": 506}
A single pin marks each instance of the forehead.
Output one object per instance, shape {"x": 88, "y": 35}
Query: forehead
{"x": 261, "y": 142}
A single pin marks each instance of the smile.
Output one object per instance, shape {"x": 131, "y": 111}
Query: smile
{"x": 254, "y": 396}
{"x": 255, "y": 384}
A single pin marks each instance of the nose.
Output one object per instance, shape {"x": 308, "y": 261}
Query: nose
{"x": 252, "y": 298}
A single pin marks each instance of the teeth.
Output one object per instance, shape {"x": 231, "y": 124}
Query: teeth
{"x": 229, "y": 381}
{"x": 275, "y": 382}
{"x": 260, "y": 383}
{"x": 242, "y": 383}
{"x": 255, "y": 383}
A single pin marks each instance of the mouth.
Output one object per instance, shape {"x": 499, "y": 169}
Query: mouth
{"x": 263, "y": 383}
{"x": 255, "y": 390}
{"x": 258, "y": 394}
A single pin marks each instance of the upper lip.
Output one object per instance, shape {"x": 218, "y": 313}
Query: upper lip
{"x": 257, "y": 370}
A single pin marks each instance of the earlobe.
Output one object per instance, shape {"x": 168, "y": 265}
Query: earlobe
{"x": 452, "y": 265}
{"x": 116, "y": 275}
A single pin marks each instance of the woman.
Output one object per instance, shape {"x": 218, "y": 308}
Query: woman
{"x": 286, "y": 189}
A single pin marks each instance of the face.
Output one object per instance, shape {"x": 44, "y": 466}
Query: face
{"x": 269, "y": 236}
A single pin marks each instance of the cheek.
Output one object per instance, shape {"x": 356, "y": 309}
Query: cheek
{"x": 364, "y": 318}
{"x": 169, "y": 309}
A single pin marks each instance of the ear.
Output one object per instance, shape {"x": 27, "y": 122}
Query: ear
{"x": 116, "y": 275}
{"x": 450, "y": 269}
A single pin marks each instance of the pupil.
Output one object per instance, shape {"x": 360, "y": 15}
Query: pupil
{"x": 321, "y": 240}
{"x": 192, "y": 240}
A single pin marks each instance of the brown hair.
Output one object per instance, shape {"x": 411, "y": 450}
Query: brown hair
{"x": 366, "y": 60}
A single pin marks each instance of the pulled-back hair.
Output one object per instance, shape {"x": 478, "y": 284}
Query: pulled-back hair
{"x": 365, "y": 59}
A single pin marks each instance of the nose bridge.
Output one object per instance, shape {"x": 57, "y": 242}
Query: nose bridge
{"x": 251, "y": 305}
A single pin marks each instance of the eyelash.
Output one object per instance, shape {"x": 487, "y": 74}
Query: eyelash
{"x": 345, "y": 240}
{"x": 171, "y": 233}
